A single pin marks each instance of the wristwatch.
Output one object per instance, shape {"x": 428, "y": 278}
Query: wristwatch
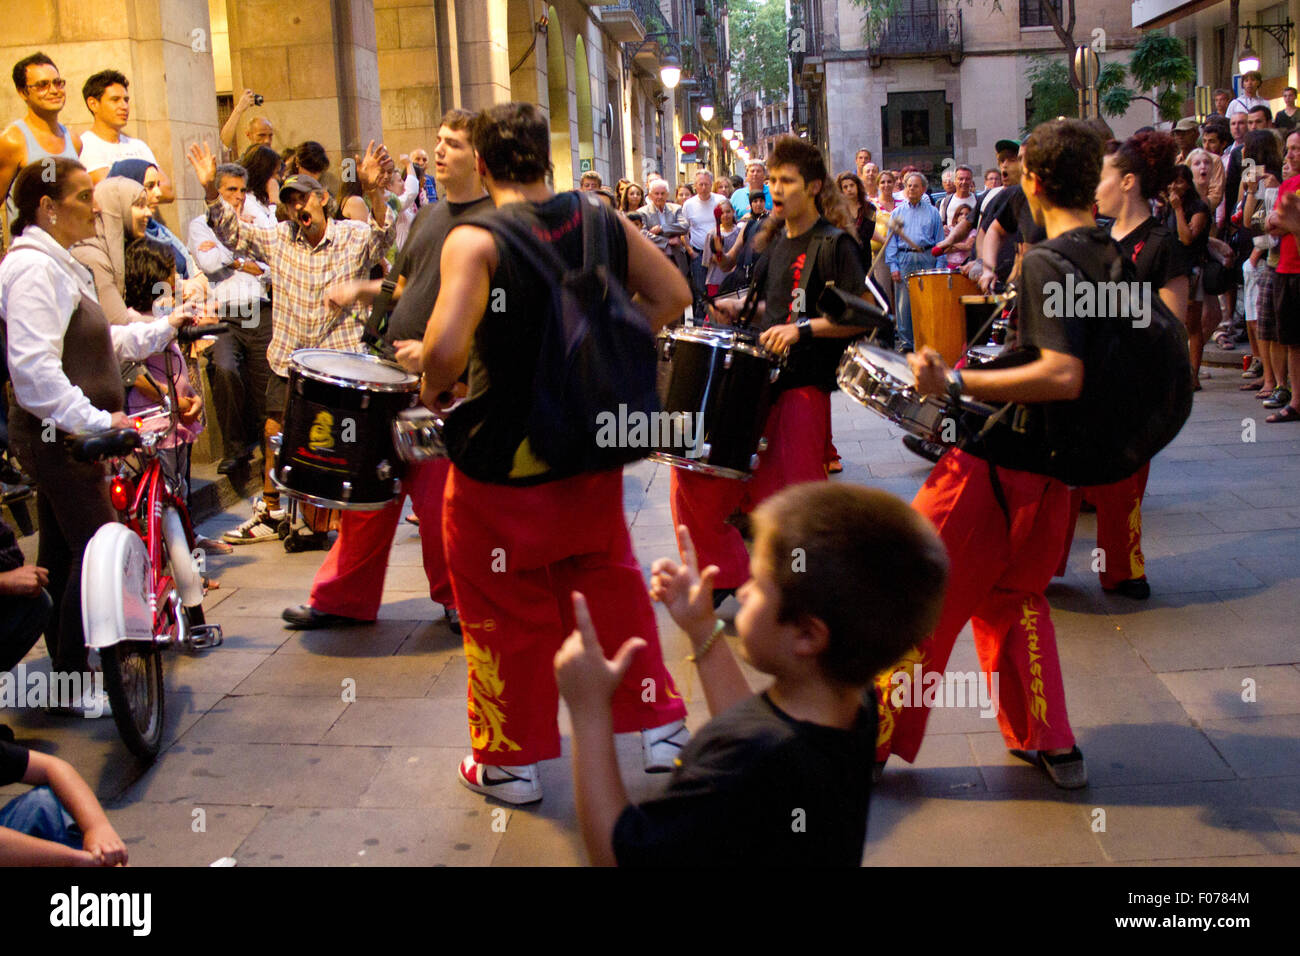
{"x": 805, "y": 329}
{"x": 955, "y": 385}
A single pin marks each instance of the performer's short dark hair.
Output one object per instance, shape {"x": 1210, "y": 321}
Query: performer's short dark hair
{"x": 514, "y": 142}
{"x": 1065, "y": 155}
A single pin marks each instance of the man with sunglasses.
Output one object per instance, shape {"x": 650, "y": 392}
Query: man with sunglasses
{"x": 38, "y": 134}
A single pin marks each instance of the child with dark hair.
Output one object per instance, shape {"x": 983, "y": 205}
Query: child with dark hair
{"x": 150, "y": 288}
{"x": 782, "y": 777}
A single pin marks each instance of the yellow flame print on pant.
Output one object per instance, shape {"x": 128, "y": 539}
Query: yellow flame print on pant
{"x": 885, "y": 687}
{"x": 486, "y": 721}
{"x": 1136, "y": 564}
{"x": 1037, "y": 703}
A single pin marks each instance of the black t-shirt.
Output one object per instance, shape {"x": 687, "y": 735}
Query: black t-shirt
{"x": 1154, "y": 253}
{"x": 13, "y": 763}
{"x": 1048, "y": 321}
{"x": 778, "y": 275}
{"x": 1193, "y": 255}
{"x": 1284, "y": 122}
{"x": 758, "y": 788}
{"x": 420, "y": 261}
{"x": 1011, "y": 211}
{"x": 486, "y": 434}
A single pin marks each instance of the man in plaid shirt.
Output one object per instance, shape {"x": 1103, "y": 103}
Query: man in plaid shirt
{"x": 306, "y": 254}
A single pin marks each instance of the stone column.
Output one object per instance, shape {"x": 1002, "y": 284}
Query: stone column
{"x": 163, "y": 47}
{"x": 410, "y": 100}
{"x": 483, "y": 48}
{"x": 315, "y": 61}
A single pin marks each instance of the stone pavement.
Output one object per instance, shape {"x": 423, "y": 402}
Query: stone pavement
{"x": 286, "y": 771}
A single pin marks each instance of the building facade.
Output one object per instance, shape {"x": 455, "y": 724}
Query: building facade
{"x": 938, "y": 80}
{"x": 343, "y": 72}
{"x": 1206, "y": 29}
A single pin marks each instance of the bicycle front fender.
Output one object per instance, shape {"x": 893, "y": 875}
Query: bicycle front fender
{"x": 116, "y": 592}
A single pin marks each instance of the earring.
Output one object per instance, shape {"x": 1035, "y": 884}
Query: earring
{"x": 53, "y": 219}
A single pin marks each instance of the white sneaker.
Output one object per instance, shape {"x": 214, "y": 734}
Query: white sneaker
{"x": 509, "y": 784}
{"x": 661, "y": 747}
{"x": 261, "y": 527}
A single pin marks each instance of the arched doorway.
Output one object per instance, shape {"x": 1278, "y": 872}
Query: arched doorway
{"x": 557, "y": 88}
{"x": 586, "y": 132}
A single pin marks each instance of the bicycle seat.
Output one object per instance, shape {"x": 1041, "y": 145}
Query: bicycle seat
{"x": 107, "y": 444}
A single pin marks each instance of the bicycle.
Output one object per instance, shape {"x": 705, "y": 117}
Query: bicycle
{"x": 142, "y": 582}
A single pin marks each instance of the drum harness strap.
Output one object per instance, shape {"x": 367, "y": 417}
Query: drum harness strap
{"x": 954, "y": 409}
{"x": 820, "y": 241}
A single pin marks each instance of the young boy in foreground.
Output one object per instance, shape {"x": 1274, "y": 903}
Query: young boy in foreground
{"x": 844, "y": 580}
{"x": 60, "y": 823}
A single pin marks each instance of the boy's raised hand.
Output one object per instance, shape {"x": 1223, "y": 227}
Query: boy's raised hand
{"x": 585, "y": 678}
{"x": 683, "y": 589}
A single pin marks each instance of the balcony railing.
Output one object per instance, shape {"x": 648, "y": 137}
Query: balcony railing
{"x": 805, "y": 33}
{"x": 918, "y": 35}
{"x": 628, "y": 21}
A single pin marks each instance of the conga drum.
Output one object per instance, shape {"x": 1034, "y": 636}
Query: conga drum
{"x": 938, "y": 315}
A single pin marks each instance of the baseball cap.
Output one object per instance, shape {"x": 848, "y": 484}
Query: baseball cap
{"x": 1187, "y": 124}
{"x": 1005, "y": 144}
{"x": 301, "y": 183}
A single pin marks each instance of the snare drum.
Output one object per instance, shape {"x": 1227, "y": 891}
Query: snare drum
{"x": 336, "y": 449}
{"x": 938, "y": 315}
{"x": 884, "y": 383}
{"x": 716, "y": 400}
{"x": 417, "y": 435}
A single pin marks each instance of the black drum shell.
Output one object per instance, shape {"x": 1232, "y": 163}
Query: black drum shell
{"x": 733, "y": 399}
{"x": 368, "y": 461}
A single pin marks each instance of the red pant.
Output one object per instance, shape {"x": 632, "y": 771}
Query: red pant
{"x": 351, "y": 581}
{"x": 1119, "y": 527}
{"x": 798, "y": 434}
{"x": 996, "y": 581}
{"x": 516, "y": 555}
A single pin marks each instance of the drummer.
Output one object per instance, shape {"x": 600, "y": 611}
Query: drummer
{"x": 804, "y": 203}
{"x": 306, "y": 254}
{"x": 921, "y": 223}
{"x": 348, "y": 588}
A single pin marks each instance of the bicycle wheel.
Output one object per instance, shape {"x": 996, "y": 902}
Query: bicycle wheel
{"x": 133, "y": 677}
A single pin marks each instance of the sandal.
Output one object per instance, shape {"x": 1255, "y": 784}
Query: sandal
{"x": 1250, "y": 387}
{"x": 1287, "y": 413}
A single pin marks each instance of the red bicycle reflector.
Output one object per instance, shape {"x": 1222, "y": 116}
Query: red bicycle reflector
{"x": 138, "y": 423}
{"x": 120, "y": 493}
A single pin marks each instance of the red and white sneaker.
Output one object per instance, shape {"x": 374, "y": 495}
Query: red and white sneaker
{"x": 661, "y": 746}
{"x": 516, "y": 785}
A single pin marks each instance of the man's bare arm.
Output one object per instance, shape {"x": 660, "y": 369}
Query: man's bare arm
{"x": 469, "y": 257}
{"x": 652, "y": 277}
{"x": 12, "y": 156}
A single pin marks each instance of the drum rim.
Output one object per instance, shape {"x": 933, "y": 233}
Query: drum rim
{"x": 851, "y": 353}
{"x": 412, "y": 383}
{"x": 329, "y": 502}
{"x": 704, "y": 335}
{"x": 937, "y": 272}
{"x": 687, "y": 464}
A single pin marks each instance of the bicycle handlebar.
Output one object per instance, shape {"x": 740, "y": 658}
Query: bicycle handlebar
{"x": 113, "y": 443}
{"x": 188, "y": 334}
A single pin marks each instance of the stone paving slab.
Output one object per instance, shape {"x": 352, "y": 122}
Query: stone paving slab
{"x": 290, "y": 769}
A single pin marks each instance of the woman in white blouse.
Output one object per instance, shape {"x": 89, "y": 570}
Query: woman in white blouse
{"x": 64, "y": 362}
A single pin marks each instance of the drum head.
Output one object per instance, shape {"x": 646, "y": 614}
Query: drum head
{"x": 356, "y": 368}
{"x": 890, "y": 363}
{"x": 723, "y": 337}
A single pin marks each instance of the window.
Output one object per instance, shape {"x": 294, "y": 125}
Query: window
{"x": 1031, "y": 13}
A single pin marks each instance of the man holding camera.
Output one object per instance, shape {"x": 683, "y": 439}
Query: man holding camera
{"x": 258, "y": 132}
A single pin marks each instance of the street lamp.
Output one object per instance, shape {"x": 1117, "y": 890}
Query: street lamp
{"x": 727, "y": 133}
{"x": 1249, "y": 58}
{"x": 670, "y": 71}
{"x": 706, "y": 111}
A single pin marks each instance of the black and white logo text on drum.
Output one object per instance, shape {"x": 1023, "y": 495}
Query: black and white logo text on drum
{"x": 1098, "y": 300}
{"x": 638, "y": 429}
